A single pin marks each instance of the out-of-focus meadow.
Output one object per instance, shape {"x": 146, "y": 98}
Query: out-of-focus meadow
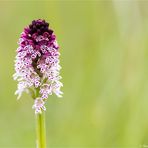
{"x": 104, "y": 58}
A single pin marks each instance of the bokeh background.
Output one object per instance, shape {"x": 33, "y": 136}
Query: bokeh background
{"x": 104, "y": 58}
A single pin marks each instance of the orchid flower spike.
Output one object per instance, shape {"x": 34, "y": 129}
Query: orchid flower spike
{"x": 37, "y": 64}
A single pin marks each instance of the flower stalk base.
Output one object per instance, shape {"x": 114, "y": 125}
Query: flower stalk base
{"x": 41, "y": 130}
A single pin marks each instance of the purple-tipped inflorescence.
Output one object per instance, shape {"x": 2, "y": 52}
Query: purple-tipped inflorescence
{"x": 37, "y": 64}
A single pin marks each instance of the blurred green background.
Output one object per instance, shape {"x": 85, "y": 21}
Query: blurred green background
{"x": 104, "y": 59}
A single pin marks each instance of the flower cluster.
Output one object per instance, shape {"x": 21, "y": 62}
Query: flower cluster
{"x": 37, "y": 64}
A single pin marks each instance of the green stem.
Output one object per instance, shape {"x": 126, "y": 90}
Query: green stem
{"x": 41, "y": 131}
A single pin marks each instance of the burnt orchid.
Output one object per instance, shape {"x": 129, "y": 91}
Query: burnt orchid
{"x": 37, "y": 64}
{"x": 37, "y": 70}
